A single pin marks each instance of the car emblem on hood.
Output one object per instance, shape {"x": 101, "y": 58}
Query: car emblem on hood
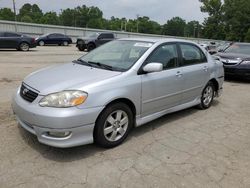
{"x": 25, "y": 91}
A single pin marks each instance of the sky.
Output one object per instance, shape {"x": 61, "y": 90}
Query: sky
{"x": 157, "y": 10}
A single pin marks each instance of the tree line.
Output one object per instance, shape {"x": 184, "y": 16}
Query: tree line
{"x": 92, "y": 17}
{"x": 227, "y": 20}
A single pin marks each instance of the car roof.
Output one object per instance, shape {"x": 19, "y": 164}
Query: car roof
{"x": 156, "y": 40}
{"x": 11, "y": 32}
{"x": 242, "y": 43}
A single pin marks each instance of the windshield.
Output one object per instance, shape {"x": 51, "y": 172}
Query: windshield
{"x": 119, "y": 55}
{"x": 239, "y": 49}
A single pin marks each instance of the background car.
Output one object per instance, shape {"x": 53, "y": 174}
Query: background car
{"x": 54, "y": 39}
{"x": 17, "y": 41}
{"x": 91, "y": 42}
{"x": 236, "y": 60}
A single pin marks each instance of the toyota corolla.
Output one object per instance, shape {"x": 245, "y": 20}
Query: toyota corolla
{"x": 123, "y": 84}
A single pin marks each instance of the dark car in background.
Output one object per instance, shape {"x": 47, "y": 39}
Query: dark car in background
{"x": 236, "y": 60}
{"x": 54, "y": 39}
{"x": 91, "y": 42}
{"x": 17, "y": 41}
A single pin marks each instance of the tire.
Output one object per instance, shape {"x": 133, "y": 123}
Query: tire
{"x": 41, "y": 43}
{"x": 81, "y": 48}
{"x": 65, "y": 43}
{"x": 90, "y": 47}
{"x": 113, "y": 125}
{"x": 24, "y": 46}
{"x": 207, "y": 96}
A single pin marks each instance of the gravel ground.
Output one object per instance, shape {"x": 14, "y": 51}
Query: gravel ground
{"x": 190, "y": 148}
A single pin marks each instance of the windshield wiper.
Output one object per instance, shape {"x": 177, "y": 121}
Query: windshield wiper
{"x": 108, "y": 67}
{"x": 80, "y": 61}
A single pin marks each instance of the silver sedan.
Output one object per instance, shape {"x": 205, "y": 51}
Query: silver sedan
{"x": 123, "y": 84}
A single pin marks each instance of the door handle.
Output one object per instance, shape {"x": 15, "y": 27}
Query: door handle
{"x": 205, "y": 68}
{"x": 178, "y": 74}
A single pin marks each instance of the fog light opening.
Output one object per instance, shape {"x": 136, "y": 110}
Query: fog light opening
{"x": 59, "y": 134}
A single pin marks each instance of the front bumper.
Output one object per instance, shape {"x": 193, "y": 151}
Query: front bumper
{"x": 237, "y": 71}
{"x": 33, "y": 45}
{"x": 40, "y": 121}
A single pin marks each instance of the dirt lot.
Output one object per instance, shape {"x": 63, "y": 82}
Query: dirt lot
{"x": 191, "y": 148}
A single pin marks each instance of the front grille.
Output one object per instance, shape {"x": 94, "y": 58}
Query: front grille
{"x": 27, "y": 94}
{"x": 230, "y": 64}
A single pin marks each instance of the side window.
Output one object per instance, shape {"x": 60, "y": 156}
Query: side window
{"x": 1, "y": 34}
{"x": 192, "y": 55}
{"x": 166, "y": 54}
{"x": 12, "y": 35}
{"x": 103, "y": 36}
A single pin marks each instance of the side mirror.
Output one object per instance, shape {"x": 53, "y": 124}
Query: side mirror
{"x": 99, "y": 37}
{"x": 153, "y": 67}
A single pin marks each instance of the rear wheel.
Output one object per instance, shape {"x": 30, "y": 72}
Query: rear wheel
{"x": 90, "y": 47}
{"x": 113, "y": 125}
{"x": 24, "y": 46}
{"x": 207, "y": 96}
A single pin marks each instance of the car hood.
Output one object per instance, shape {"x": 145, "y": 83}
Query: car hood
{"x": 67, "y": 76}
{"x": 233, "y": 56}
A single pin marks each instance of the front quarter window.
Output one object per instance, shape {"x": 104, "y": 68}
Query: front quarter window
{"x": 121, "y": 55}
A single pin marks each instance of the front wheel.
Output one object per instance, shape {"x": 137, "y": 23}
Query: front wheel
{"x": 81, "y": 48}
{"x": 90, "y": 47}
{"x": 41, "y": 43}
{"x": 207, "y": 96}
{"x": 113, "y": 125}
{"x": 65, "y": 43}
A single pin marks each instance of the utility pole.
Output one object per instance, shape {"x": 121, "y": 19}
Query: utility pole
{"x": 137, "y": 23}
{"x": 14, "y": 7}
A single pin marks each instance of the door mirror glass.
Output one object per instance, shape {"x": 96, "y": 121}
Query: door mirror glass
{"x": 153, "y": 67}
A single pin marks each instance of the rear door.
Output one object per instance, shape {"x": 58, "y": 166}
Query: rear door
{"x": 11, "y": 40}
{"x": 195, "y": 69}
{"x": 2, "y": 40}
{"x": 162, "y": 90}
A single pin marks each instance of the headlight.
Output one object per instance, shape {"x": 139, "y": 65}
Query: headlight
{"x": 245, "y": 63}
{"x": 64, "y": 99}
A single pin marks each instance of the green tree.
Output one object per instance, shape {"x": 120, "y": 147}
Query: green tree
{"x": 237, "y": 19}
{"x": 148, "y": 26}
{"x": 7, "y": 14}
{"x": 213, "y": 26}
{"x": 50, "y": 18}
{"x": 27, "y": 19}
{"x": 247, "y": 37}
{"x": 174, "y": 27}
{"x": 31, "y": 11}
{"x": 192, "y": 29}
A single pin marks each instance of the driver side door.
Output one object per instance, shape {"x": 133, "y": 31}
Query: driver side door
{"x": 162, "y": 90}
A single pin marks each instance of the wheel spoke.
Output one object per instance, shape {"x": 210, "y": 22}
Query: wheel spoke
{"x": 118, "y": 116}
{"x": 124, "y": 121}
{"x": 108, "y": 130}
{"x": 121, "y": 131}
{"x": 111, "y": 120}
{"x": 113, "y": 136}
